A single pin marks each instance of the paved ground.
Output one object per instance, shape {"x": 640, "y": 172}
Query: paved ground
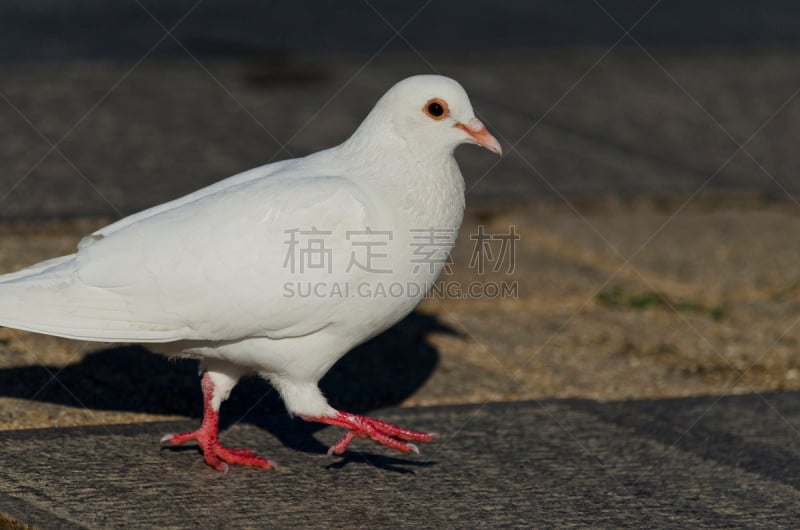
{"x": 656, "y": 260}
{"x": 572, "y": 463}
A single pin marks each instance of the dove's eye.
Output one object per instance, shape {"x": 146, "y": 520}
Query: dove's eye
{"x": 436, "y": 109}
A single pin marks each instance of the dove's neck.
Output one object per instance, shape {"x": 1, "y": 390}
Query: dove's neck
{"x": 421, "y": 183}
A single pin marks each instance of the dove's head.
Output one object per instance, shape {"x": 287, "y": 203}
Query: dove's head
{"x": 431, "y": 112}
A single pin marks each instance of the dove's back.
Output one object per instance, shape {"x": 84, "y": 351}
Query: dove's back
{"x": 208, "y": 268}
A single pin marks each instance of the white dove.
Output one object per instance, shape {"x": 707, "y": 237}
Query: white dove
{"x": 279, "y": 270}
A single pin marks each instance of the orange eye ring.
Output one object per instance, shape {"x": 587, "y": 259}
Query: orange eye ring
{"x": 436, "y": 109}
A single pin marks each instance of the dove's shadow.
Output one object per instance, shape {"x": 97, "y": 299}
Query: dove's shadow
{"x": 380, "y": 373}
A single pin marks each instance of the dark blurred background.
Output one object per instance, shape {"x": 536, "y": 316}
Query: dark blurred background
{"x": 81, "y": 29}
{"x": 138, "y": 116}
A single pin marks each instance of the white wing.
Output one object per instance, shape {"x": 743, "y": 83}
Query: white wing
{"x": 209, "y": 269}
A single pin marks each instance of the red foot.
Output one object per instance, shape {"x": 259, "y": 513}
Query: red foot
{"x": 380, "y": 431}
{"x": 215, "y": 454}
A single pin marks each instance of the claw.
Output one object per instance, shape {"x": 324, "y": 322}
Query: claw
{"x": 215, "y": 454}
{"x": 384, "y": 433}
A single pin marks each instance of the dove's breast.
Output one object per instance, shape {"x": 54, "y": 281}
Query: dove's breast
{"x": 419, "y": 214}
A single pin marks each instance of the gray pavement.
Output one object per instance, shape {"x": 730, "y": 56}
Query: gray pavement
{"x": 568, "y": 463}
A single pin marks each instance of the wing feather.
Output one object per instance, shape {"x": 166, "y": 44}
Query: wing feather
{"x": 212, "y": 268}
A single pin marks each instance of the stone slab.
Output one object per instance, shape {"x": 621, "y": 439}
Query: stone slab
{"x": 699, "y": 462}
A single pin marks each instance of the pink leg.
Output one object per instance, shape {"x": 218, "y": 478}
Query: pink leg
{"x": 363, "y": 427}
{"x": 216, "y": 455}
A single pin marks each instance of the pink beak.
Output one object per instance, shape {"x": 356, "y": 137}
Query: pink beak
{"x": 477, "y": 131}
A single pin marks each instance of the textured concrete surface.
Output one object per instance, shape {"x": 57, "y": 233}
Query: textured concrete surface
{"x": 567, "y": 463}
